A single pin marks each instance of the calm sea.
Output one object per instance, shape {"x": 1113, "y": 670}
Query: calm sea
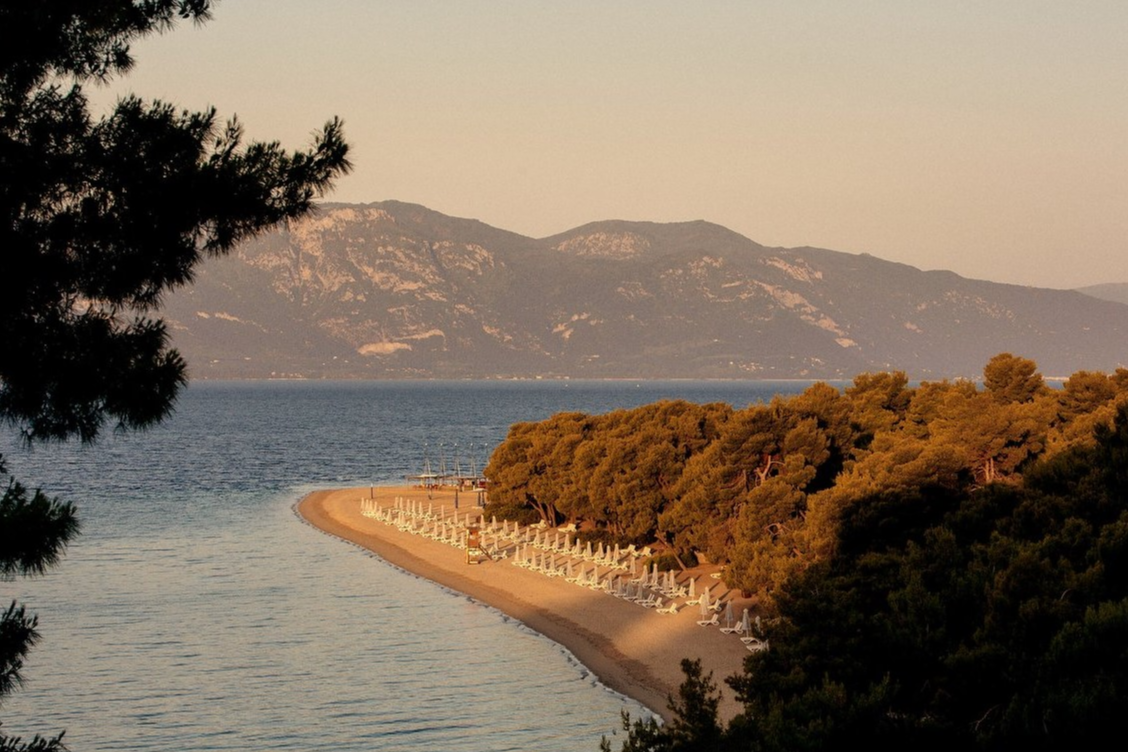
{"x": 196, "y": 611}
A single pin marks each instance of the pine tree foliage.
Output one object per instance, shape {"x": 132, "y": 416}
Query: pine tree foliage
{"x": 943, "y": 565}
{"x": 949, "y": 613}
{"x": 100, "y": 216}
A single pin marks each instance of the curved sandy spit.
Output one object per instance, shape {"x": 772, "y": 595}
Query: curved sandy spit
{"x": 631, "y": 649}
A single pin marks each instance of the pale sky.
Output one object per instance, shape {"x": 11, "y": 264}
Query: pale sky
{"x": 988, "y": 138}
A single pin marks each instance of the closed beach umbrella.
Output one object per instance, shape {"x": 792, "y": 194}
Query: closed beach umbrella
{"x": 746, "y": 628}
{"x": 728, "y": 615}
{"x": 693, "y": 588}
{"x": 704, "y": 606}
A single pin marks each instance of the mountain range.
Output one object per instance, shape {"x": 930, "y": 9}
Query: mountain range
{"x": 396, "y": 290}
{"x": 1110, "y": 291}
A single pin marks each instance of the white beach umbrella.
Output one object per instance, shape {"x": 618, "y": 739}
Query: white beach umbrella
{"x": 704, "y": 606}
{"x": 693, "y": 588}
{"x": 746, "y": 629}
{"x": 728, "y": 615}
{"x": 588, "y": 551}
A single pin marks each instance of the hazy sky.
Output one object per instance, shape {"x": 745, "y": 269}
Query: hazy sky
{"x": 984, "y": 137}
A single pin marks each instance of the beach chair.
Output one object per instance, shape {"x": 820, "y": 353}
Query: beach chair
{"x": 711, "y": 622}
{"x": 671, "y": 608}
{"x": 755, "y": 644}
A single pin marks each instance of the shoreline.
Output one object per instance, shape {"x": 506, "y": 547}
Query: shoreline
{"x": 631, "y": 649}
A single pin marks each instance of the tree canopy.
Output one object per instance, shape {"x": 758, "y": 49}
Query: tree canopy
{"x": 941, "y": 609}
{"x": 940, "y": 565}
{"x": 100, "y": 216}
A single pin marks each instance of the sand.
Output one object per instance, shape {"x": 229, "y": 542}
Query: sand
{"x": 630, "y": 648}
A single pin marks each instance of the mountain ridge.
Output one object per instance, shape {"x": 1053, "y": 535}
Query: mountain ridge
{"x": 398, "y": 290}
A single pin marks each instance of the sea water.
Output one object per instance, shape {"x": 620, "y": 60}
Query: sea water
{"x": 197, "y": 611}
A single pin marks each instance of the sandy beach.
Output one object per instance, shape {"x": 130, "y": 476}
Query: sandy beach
{"x": 633, "y": 649}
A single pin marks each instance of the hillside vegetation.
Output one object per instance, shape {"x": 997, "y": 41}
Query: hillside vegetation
{"x": 942, "y": 565}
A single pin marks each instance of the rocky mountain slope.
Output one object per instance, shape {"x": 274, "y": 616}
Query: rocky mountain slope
{"x": 395, "y": 290}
